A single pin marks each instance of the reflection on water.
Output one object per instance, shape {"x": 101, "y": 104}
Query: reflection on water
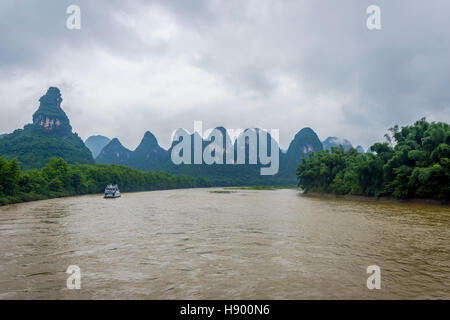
{"x": 194, "y": 244}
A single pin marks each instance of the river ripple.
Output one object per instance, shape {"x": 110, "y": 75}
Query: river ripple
{"x": 196, "y": 244}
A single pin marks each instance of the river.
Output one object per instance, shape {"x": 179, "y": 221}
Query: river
{"x": 199, "y": 244}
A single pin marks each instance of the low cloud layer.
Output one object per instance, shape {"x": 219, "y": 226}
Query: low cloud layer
{"x": 159, "y": 65}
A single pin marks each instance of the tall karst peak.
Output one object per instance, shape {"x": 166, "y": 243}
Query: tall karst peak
{"x": 115, "y": 142}
{"x": 305, "y": 141}
{"x": 50, "y": 116}
{"x": 149, "y": 155}
{"x": 114, "y": 152}
{"x": 149, "y": 139}
{"x": 50, "y": 135}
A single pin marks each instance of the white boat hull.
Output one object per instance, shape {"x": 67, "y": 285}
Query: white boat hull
{"x": 112, "y": 196}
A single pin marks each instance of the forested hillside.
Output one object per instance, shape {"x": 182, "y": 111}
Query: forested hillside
{"x": 413, "y": 163}
{"x": 50, "y": 135}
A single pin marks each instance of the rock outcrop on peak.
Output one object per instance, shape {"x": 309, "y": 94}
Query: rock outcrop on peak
{"x": 50, "y": 116}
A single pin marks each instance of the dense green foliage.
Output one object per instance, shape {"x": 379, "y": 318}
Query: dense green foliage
{"x": 414, "y": 163}
{"x": 58, "y": 178}
{"x": 34, "y": 147}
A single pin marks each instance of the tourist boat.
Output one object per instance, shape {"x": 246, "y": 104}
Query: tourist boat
{"x": 112, "y": 191}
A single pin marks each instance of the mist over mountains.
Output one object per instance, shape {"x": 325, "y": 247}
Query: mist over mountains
{"x": 331, "y": 142}
{"x": 50, "y": 135}
{"x": 149, "y": 155}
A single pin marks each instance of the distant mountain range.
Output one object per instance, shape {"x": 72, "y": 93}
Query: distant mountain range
{"x": 50, "y": 135}
{"x": 150, "y": 156}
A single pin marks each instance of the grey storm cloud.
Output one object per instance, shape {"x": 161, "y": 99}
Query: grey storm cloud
{"x": 159, "y": 65}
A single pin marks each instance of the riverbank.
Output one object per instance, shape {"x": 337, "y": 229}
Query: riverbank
{"x": 374, "y": 199}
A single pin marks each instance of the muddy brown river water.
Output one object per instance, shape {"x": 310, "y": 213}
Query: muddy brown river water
{"x": 197, "y": 244}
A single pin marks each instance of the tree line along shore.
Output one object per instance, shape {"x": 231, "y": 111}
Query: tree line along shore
{"x": 60, "y": 179}
{"x": 412, "y": 164}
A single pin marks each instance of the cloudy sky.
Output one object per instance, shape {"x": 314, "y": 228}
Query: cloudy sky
{"x": 159, "y": 65}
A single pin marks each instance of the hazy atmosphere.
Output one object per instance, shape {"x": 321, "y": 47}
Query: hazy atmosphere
{"x": 103, "y": 195}
{"x": 159, "y": 65}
